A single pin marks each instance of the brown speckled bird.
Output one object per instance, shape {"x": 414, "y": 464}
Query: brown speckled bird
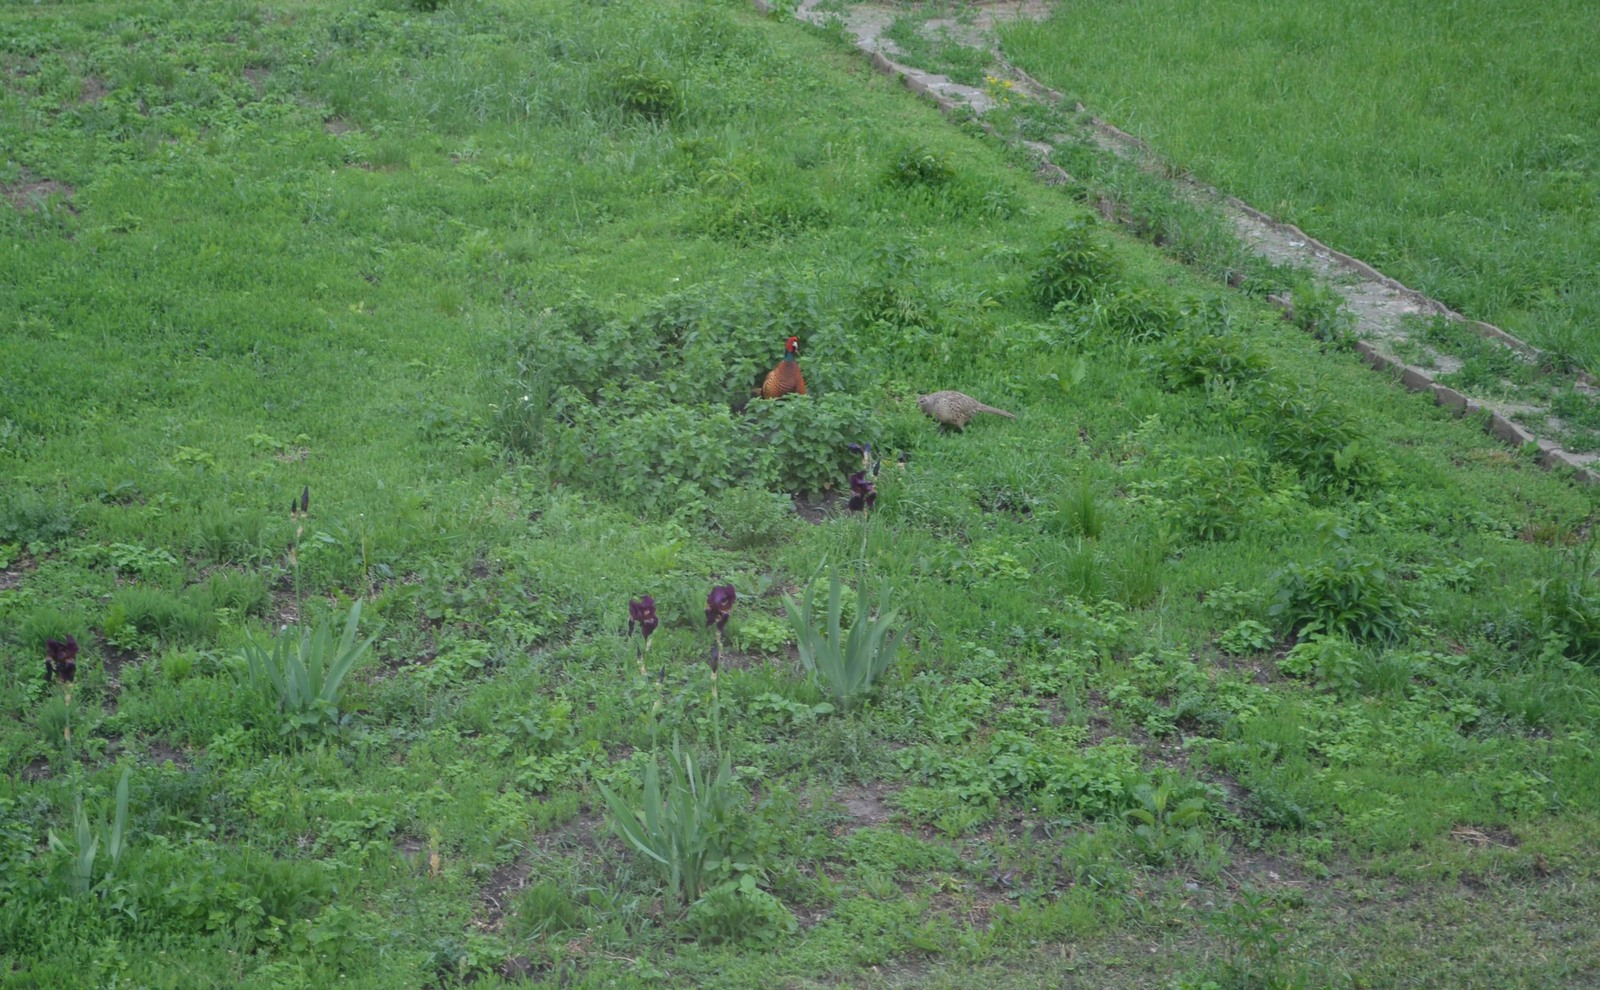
{"x": 955, "y": 409}
{"x": 786, "y": 377}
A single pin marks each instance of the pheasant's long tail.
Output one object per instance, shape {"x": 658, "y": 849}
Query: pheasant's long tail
{"x": 997, "y": 412}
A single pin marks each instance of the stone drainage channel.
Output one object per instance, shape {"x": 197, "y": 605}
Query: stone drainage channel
{"x": 1381, "y": 305}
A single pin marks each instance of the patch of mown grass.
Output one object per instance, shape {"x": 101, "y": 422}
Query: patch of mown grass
{"x": 489, "y": 284}
{"x": 1389, "y": 133}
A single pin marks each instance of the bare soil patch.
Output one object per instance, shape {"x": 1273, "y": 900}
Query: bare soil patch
{"x": 865, "y": 804}
{"x": 33, "y": 193}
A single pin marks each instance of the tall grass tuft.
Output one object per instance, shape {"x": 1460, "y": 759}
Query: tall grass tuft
{"x": 681, "y": 825}
{"x": 846, "y": 665}
{"x": 304, "y": 673}
{"x": 83, "y": 851}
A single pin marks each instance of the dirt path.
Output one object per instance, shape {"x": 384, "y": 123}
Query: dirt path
{"x": 1384, "y": 310}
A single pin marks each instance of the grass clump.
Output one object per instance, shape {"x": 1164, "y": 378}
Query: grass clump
{"x": 302, "y": 676}
{"x": 846, "y": 665}
{"x": 681, "y": 826}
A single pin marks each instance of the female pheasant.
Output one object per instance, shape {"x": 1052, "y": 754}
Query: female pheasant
{"x": 956, "y": 409}
{"x": 786, "y": 377}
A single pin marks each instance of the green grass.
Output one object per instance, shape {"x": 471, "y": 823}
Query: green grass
{"x": 1452, "y": 146}
{"x": 492, "y": 282}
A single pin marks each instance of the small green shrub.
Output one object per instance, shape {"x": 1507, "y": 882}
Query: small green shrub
{"x": 656, "y": 409}
{"x": 1564, "y": 607}
{"x": 1320, "y": 310}
{"x": 302, "y": 675}
{"x": 1074, "y": 267}
{"x": 919, "y": 165}
{"x": 1208, "y": 359}
{"x": 1165, "y": 822}
{"x": 1331, "y": 659}
{"x": 1306, "y": 427}
{"x": 1137, "y": 314}
{"x": 1347, "y": 594}
{"x": 890, "y": 294}
{"x": 846, "y": 666}
{"x": 1245, "y": 637}
{"x": 761, "y": 634}
{"x": 1211, "y": 498}
{"x": 647, "y": 91}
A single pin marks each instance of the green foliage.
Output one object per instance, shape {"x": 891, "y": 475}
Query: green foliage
{"x": 302, "y": 675}
{"x": 1306, "y": 427}
{"x": 646, "y": 90}
{"x": 681, "y": 826}
{"x": 1346, "y": 594}
{"x": 128, "y": 558}
{"x": 1074, "y": 267}
{"x": 1165, "y": 823}
{"x": 81, "y": 853}
{"x": 761, "y": 634}
{"x": 1564, "y": 606}
{"x": 1261, "y": 942}
{"x": 646, "y": 405}
{"x": 139, "y": 616}
{"x": 1331, "y": 659}
{"x": 1319, "y": 309}
{"x": 1207, "y": 358}
{"x": 917, "y": 165}
{"x": 891, "y": 296}
{"x": 739, "y": 912}
{"x": 30, "y": 517}
{"x": 1214, "y": 498}
{"x": 239, "y": 592}
{"x": 845, "y": 665}
{"x": 1246, "y": 637}
{"x": 1078, "y": 513}
{"x": 234, "y": 537}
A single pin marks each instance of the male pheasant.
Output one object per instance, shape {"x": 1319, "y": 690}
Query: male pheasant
{"x": 786, "y": 377}
{"x": 955, "y": 409}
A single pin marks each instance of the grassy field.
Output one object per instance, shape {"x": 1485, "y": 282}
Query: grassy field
{"x": 1454, "y": 146}
{"x": 1226, "y": 664}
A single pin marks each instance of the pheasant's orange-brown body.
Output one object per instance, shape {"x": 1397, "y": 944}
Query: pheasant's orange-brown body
{"x": 786, "y": 377}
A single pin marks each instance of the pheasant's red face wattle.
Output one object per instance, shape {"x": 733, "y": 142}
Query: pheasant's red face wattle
{"x": 792, "y": 345}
